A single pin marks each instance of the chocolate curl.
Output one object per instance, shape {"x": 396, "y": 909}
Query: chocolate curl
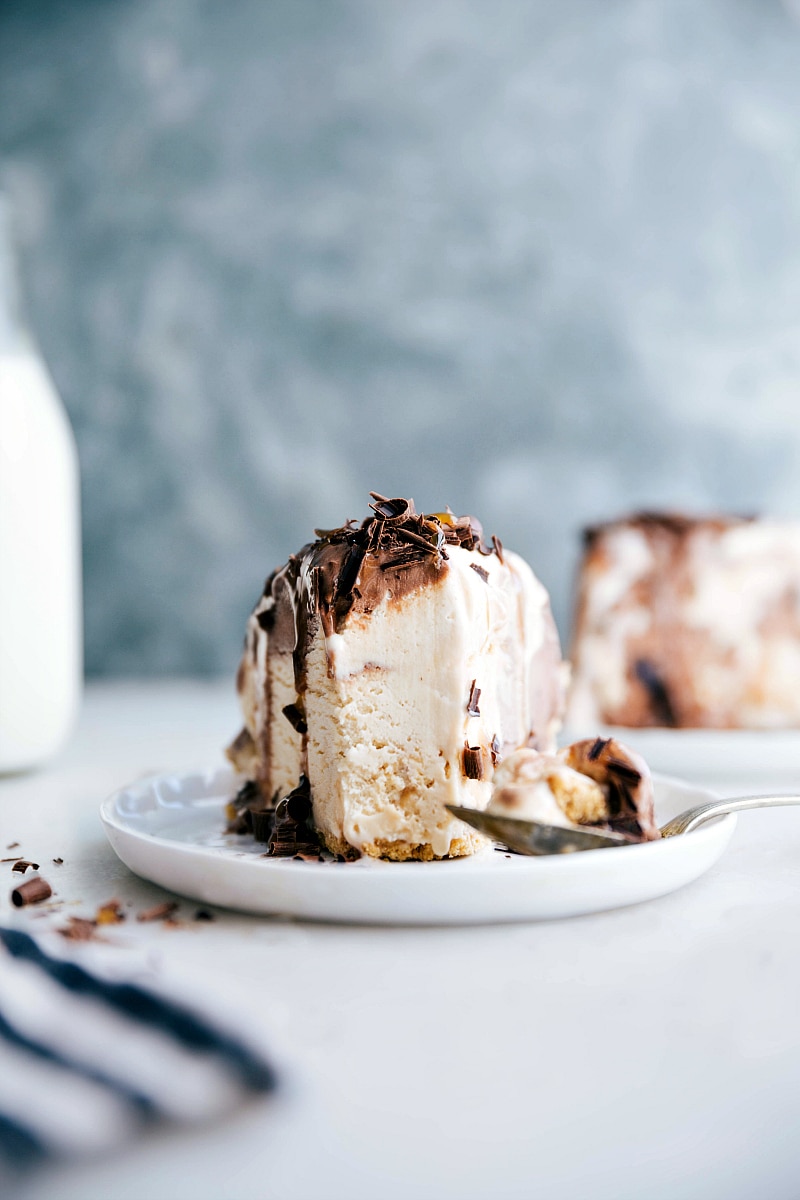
{"x": 22, "y": 864}
{"x": 293, "y": 832}
{"x": 32, "y": 892}
{"x": 472, "y": 762}
{"x": 393, "y": 511}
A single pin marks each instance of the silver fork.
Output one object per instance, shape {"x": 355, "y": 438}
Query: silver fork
{"x": 534, "y": 837}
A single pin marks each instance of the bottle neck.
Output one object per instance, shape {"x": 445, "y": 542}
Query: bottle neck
{"x": 12, "y": 327}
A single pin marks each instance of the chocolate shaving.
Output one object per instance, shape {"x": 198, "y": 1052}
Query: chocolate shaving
{"x": 395, "y": 551}
{"x": 266, "y": 619}
{"x": 22, "y": 864}
{"x": 407, "y": 535}
{"x": 393, "y": 512}
{"x": 79, "y": 929}
{"x": 484, "y": 574}
{"x": 239, "y": 810}
{"x": 596, "y": 750}
{"x": 623, "y": 771}
{"x": 32, "y": 892}
{"x": 15, "y": 858}
{"x": 466, "y": 532}
{"x": 472, "y": 762}
{"x": 472, "y": 702}
{"x": 498, "y": 547}
{"x": 262, "y": 823}
{"x": 658, "y": 692}
{"x": 495, "y": 750}
{"x": 58, "y": 861}
{"x": 408, "y": 559}
{"x": 159, "y": 912}
{"x": 12, "y": 845}
{"x": 241, "y": 748}
{"x": 296, "y": 718}
{"x": 623, "y": 813}
{"x": 293, "y": 832}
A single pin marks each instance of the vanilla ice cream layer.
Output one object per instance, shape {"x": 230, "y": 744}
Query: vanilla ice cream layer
{"x": 541, "y": 787}
{"x": 388, "y": 703}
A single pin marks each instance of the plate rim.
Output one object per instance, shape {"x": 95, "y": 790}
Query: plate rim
{"x": 481, "y": 889}
{"x": 110, "y": 819}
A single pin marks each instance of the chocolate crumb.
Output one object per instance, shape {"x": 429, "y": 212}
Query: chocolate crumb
{"x": 32, "y": 892}
{"x": 203, "y": 914}
{"x": 472, "y": 702}
{"x": 484, "y": 574}
{"x": 58, "y": 861}
{"x": 22, "y": 865}
{"x": 159, "y": 912}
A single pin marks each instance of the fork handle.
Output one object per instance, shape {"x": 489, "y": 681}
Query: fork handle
{"x": 701, "y": 813}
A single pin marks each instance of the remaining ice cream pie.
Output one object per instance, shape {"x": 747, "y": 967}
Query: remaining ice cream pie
{"x": 388, "y": 667}
{"x": 688, "y": 622}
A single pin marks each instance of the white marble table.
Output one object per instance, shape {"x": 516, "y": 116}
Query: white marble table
{"x": 649, "y": 1052}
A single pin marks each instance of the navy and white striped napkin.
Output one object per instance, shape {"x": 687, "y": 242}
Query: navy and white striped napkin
{"x": 89, "y": 1062}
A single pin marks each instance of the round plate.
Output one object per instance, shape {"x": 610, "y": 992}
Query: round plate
{"x": 170, "y": 829}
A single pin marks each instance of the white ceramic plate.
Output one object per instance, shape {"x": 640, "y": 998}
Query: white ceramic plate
{"x": 745, "y": 758}
{"x": 170, "y": 829}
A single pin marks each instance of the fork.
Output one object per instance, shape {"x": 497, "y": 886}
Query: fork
{"x": 535, "y": 837}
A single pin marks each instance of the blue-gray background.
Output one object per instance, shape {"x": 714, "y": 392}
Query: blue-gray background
{"x": 539, "y": 261}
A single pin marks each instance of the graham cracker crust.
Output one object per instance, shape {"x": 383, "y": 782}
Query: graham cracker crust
{"x": 459, "y": 847}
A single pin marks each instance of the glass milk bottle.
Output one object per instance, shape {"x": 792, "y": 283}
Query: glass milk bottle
{"x": 40, "y": 593}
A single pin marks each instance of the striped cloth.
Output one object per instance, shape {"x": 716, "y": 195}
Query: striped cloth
{"x": 88, "y": 1062}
